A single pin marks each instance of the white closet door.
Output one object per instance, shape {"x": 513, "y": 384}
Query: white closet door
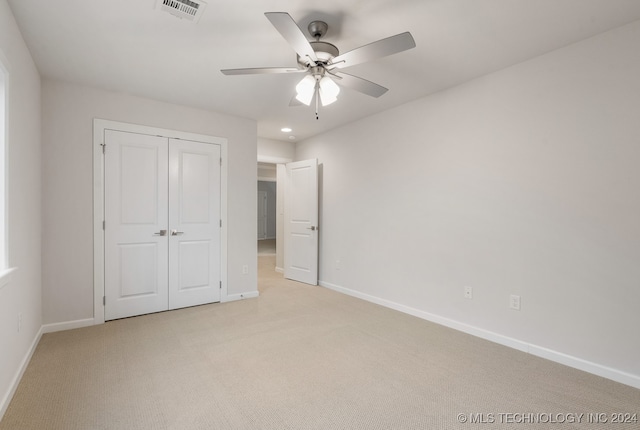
{"x": 194, "y": 223}
{"x": 136, "y": 222}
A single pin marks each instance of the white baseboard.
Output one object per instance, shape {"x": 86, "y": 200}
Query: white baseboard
{"x": 67, "y": 325}
{"x": 241, "y": 296}
{"x": 558, "y": 357}
{"x": 18, "y": 376}
{"x": 279, "y": 269}
{"x": 586, "y": 366}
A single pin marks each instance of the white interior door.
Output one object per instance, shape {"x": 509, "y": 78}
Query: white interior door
{"x": 136, "y": 198}
{"x": 194, "y": 223}
{"x": 301, "y": 222}
{"x": 262, "y": 215}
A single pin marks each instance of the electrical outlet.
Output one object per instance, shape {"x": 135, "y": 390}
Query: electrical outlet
{"x": 245, "y": 270}
{"x": 19, "y": 321}
{"x": 514, "y": 302}
{"x": 468, "y": 292}
{"x": 338, "y": 265}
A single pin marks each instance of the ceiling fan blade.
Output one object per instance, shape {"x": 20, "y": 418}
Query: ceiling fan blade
{"x": 262, "y": 70}
{"x": 381, "y": 48}
{"x": 288, "y": 28}
{"x": 362, "y": 85}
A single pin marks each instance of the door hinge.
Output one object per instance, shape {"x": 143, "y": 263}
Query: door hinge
{"x": 221, "y": 161}
{"x": 104, "y": 300}
{"x": 104, "y": 145}
{"x": 220, "y": 223}
{"x": 220, "y": 284}
{"x": 103, "y": 225}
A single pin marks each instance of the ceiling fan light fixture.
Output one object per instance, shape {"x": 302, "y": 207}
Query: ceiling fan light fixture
{"x": 306, "y": 89}
{"x": 327, "y": 99}
{"x": 329, "y": 91}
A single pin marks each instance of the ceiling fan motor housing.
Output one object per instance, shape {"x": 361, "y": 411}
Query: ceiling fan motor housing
{"x": 324, "y": 51}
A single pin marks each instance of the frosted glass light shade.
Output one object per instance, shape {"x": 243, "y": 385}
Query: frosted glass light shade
{"x": 306, "y": 89}
{"x": 329, "y": 91}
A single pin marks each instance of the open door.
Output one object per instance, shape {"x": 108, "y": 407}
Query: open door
{"x": 301, "y": 222}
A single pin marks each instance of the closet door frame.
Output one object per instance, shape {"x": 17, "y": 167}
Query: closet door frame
{"x": 99, "y": 128}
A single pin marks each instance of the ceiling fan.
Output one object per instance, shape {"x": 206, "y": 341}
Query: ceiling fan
{"x": 320, "y": 61}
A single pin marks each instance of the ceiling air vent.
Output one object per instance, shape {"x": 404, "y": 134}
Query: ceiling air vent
{"x": 187, "y": 9}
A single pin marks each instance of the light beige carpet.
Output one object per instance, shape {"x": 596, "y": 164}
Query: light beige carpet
{"x": 267, "y": 247}
{"x": 298, "y": 357}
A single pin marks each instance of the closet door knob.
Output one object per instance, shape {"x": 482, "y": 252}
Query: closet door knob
{"x": 161, "y": 233}
{"x": 176, "y": 233}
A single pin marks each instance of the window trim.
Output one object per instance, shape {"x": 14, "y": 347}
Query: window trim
{"x": 5, "y": 264}
{"x": 5, "y": 276}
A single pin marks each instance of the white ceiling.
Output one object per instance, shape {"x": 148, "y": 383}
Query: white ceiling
{"x": 132, "y": 47}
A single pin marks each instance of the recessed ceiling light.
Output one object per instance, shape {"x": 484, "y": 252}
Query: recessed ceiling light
{"x": 292, "y": 137}
{"x": 285, "y": 130}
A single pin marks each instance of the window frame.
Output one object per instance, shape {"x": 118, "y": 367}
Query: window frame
{"x": 5, "y": 267}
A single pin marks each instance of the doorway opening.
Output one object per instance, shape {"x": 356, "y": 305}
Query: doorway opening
{"x": 267, "y": 200}
{"x": 296, "y": 219}
{"x": 269, "y": 210}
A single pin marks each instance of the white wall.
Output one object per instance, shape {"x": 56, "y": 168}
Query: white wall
{"x": 22, "y": 293}
{"x": 275, "y": 151}
{"x": 68, "y": 112}
{"x": 525, "y": 181}
{"x": 266, "y": 172}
